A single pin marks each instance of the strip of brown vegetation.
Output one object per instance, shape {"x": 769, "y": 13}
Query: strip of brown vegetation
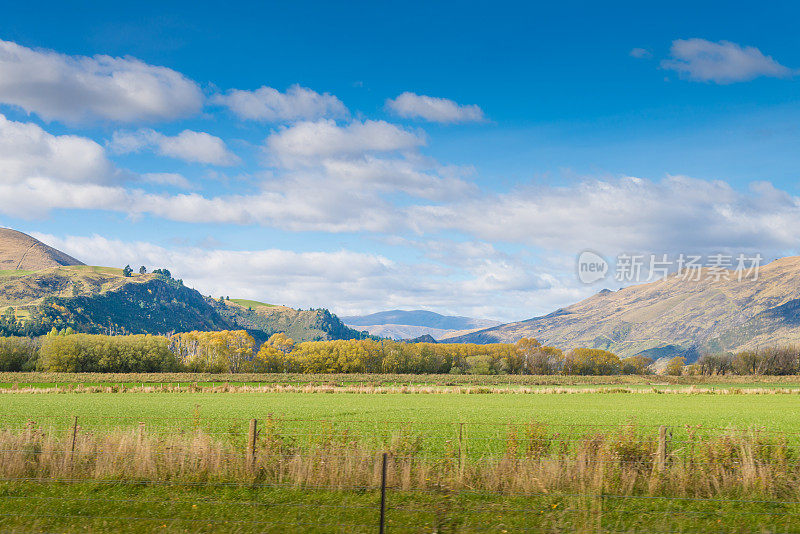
{"x": 406, "y": 390}
{"x": 390, "y": 379}
{"x": 626, "y": 461}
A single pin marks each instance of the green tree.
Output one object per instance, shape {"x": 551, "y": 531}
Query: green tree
{"x": 591, "y": 362}
{"x": 675, "y": 366}
{"x": 636, "y": 365}
{"x": 127, "y": 271}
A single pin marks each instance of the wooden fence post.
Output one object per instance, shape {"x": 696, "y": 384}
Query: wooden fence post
{"x": 251, "y": 444}
{"x": 74, "y": 437}
{"x": 461, "y": 449}
{"x": 661, "y": 450}
{"x": 382, "y": 523}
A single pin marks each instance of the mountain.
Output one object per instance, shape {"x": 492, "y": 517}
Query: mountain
{"x": 400, "y": 324}
{"x": 673, "y": 316}
{"x": 65, "y": 292}
{"x": 20, "y": 251}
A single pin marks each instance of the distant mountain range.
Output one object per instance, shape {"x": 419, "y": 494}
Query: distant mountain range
{"x": 673, "y": 316}
{"x": 46, "y": 288}
{"x": 400, "y": 324}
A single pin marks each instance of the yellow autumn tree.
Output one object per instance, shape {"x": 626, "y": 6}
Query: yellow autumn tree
{"x": 584, "y": 361}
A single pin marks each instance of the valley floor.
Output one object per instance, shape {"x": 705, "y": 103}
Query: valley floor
{"x": 182, "y": 453}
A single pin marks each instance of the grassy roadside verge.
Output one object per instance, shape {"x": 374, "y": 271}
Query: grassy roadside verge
{"x": 123, "y": 508}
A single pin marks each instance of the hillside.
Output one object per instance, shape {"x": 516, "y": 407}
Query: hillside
{"x": 103, "y": 300}
{"x": 672, "y": 316}
{"x": 400, "y": 324}
{"x": 300, "y": 325}
{"x": 20, "y": 251}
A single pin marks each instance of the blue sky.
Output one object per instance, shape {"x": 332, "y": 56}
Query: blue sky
{"x": 368, "y": 156}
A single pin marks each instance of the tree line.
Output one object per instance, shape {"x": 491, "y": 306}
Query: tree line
{"x": 763, "y": 361}
{"x": 234, "y": 351}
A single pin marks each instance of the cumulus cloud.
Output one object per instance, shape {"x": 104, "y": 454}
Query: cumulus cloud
{"x": 627, "y": 214}
{"x": 722, "y": 62}
{"x": 28, "y": 151}
{"x": 369, "y": 157}
{"x": 293, "y": 205}
{"x": 168, "y": 179}
{"x": 409, "y": 176}
{"x": 42, "y": 172}
{"x": 308, "y": 143}
{"x": 77, "y": 88}
{"x": 348, "y": 282}
{"x": 35, "y": 197}
{"x": 433, "y": 109}
{"x": 191, "y": 146}
{"x": 270, "y": 105}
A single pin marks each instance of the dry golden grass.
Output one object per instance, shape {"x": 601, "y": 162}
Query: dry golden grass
{"x": 622, "y": 462}
{"x": 368, "y": 389}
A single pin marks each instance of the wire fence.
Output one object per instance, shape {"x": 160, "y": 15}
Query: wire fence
{"x": 122, "y": 473}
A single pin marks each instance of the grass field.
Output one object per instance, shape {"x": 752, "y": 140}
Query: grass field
{"x": 70, "y": 508}
{"x": 14, "y": 273}
{"x": 251, "y": 303}
{"x": 93, "y": 269}
{"x": 777, "y": 412}
{"x": 331, "y": 432}
{"x": 435, "y": 418}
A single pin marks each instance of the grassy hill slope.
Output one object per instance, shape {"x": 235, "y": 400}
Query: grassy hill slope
{"x": 300, "y": 325}
{"x": 23, "y": 252}
{"x": 673, "y": 316}
{"x": 66, "y": 293}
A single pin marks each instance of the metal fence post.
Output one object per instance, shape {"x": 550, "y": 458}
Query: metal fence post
{"x": 382, "y": 524}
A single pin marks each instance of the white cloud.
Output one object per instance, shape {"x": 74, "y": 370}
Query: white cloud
{"x": 677, "y": 214}
{"x": 414, "y": 106}
{"x": 191, "y": 146}
{"x": 77, "y": 88}
{"x": 293, "y": 205}
{"x": 407, "y": 175}
{"x": 641, "y": 53}
{"x": 36, "y": 197}
{"x": 346, "y": 281}
{"x": 27, "y": 151}
{"x": 723, "y": 62}
{"x": 168, "y": 179}
{"x": 270, "y": 105}
{"x": 308, "y": 143}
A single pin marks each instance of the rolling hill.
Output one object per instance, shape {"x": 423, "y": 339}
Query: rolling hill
{"x": 56, "y": 290}
{"x": 400, "y": 324}
{"x": 20, "y": 251}
{"x": 673, "y": 316}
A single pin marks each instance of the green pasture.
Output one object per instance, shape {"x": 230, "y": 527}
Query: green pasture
{"x": 432, "y": 421}
{"x": 125, "y": 508}
{"x": 252, "y": 303}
